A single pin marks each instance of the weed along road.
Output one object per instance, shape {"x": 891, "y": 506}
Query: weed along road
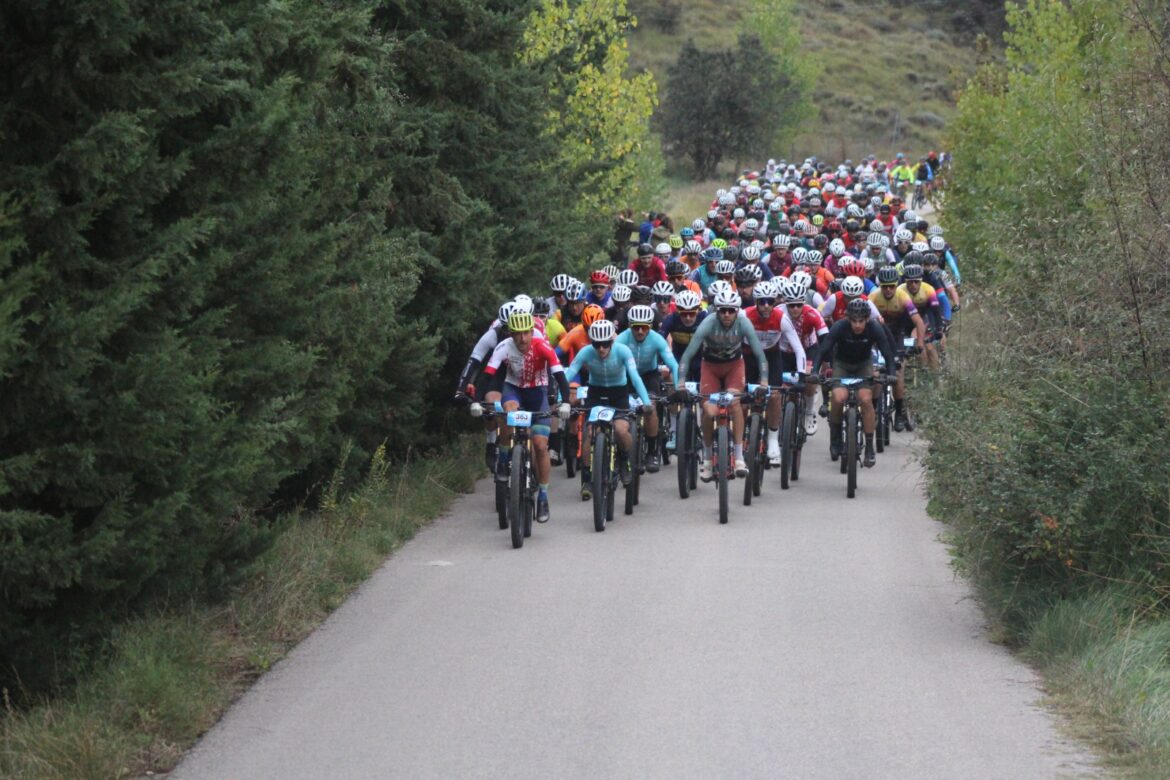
{"x": 812, "y": 636}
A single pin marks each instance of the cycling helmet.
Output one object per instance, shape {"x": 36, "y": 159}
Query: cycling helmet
{"x": 836, "y": 247}
{"x": 640, "y": 315}
{"x": 523, "y": 303}
{"x": 934, "y": 230}
{"x": 687, "y": 233}
{"x": 718, "y": 286}
{"x": 800, "y": 226}
{"x": 719, "y": 193}
{"x": 852, "y": 267}
{"x": 911, "y": 216}
{"x": 781, "y": 240}
{"x": 930, "y": 258}
{"x": 560, "y": 282}
{"x": 775, "y": 205}
{"x": 818, "y": 219}
{"x": 821, "y": 243}
{"x": 687, "y": 300}
{"x": 699, "y": 225}
{"x": 718, "y": 243}
{"x": 713, "y": 255}
{"x": 575, "y": 291}
{"x": 645, "y": 249}
{"x": 750, "y": 253}
{"x": 628, "y": 277}
{"x": 857, "y": 309}
{"x": 662, "y": 292}
{"x": 737, "y": 214}
{"x": 748, "y": 274}
{"x": 692, "y": 248}
{"x": 752, "y": 223}
{"x": 640, "y": 294}
{"x": 938, "y": 243}
{"x": 602, "y": 331}
{"x": 913, "y": 256}
{"x": 621, "y": 293}
{"x": 676, "y": 268}
{"x": 920, "y": 246}
{"x": 505, "y": 311}
{"x": 874, "y": 239}
{"x": 803, "y": 279}
{"x": 592, "y": 313}
{"x": 747, "y": 234}
{"x": 854, "y": 211}
{"x": 520, "y": 321}
{"x": 852, "y": 225}
{"x": 903, "y": 236}
{"x": 727, "y": 299}
{"x": 852, "y": 287}
{"x": 877, "y": 226}
{"x": 868, "y": 264}
{"x": 731, "y": 253}
{"x": 611, "y": 271}
{"x": 599, "y": 277}
{"x": 912, "y": 272}
{"x": 885, "y": 241}
{"x": 887, "y": 274}
{"x": 710, "y": 215}
{"x": 765, "y": 291}
{"x": 541, "y": 307}
{"x": 675, "y": 242}
{"x": 813, "y": 257}
{"x": 793, "y": 291}
{"x": 724, "y": 267}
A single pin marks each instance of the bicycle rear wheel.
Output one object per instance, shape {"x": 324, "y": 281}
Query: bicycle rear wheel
{"x": 722, "y": 461}
{"x": 601, "y": 478}
{"x": 683, "y": 453}
{"x": 787, "y": 440}
{"x": 501, "y": 502}
{"x": 517, "y": 494}
{"x": 851, "y": 451}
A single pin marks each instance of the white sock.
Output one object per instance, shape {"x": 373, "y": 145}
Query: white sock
{"x": 773, "y": 434}
{"x": 737, "y": 450}
{"x": 492, "y": 435}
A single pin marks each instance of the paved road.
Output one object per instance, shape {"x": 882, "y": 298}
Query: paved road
{"x": 813, "y": 636}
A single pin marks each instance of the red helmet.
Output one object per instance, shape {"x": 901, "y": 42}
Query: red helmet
{"x": 932, "y": 156}
{"x": 853, "y": 267}
{"x": 599, "y": 277}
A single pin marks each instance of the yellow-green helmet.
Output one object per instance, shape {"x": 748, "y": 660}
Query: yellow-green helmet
{"x": 676, "y": 242}
{"x": 520, "y": 322}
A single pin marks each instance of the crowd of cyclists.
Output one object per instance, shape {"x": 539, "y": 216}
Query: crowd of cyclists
{"x": 798, "y": 269}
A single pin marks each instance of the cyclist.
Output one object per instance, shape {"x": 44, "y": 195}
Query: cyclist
{"x": 849, "y": 344}
{"x": 572, "y": 342}
{"x": 721, "y": 339}
{"x": 558, "y": 285}
{"x": 705, "y": 274}
{"x": 662, "y": 297}
{"x": 524, "y": 385}
{"x": 569, "y": 315}
{"x": 679, "y": 327}
{"x": 651, "y": 268}
{"x": 621, "y": 306}
{"x": 939, "y": 246}
{"x": 599, "y": 292}
{"x": 926, "y": 301}
{"x": 811, "y": 327}
{"x": 676, "y": 274}
{"x": 901, "y": 317}
{"x": 746, "y": 278}
{"x": 611, "y": 370}
{"x": 650, "y": 351}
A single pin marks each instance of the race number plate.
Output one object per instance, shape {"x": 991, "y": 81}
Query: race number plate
{"x": 601, "y": 414}
{"x": 849, "y": 381}
{"x": 582, "y": 392}
{"x": 790, "y": 378}
{"x": 520, "y": 419}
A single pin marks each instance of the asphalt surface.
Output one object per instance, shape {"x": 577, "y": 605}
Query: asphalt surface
{"x": 813, "y": 636}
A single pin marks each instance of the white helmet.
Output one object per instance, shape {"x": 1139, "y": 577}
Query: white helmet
{"x": 710, "y": 215}
{"x": 627, "y": 277}
{"x": 699, "y": 224}
{"x": 794, "y": 290}
{"x": 852, "y": 287}
{"x": 853, "y": 211}
{"x": 662, "y": 249}
{"x": 505, "y": 311}
{"x": 836, "y": 247}
{"x": 781, "y": 240}
{"x": 885, "y": 241}
{"x": 638, "y": 315}
{"x": 765, "y": 289}
{"x": 911, "y": 216}
{"x": 799, "y": 255}
{"x": 769, "y": 195}
{"x": 800, "y": 226}
{"x": 611, "y": 271}
{"x": 663, "y": 289}
{"x": 830, "y": 188}
{"x": 803, "y": 279}
{"x": 902, "y": 235}
{"x": 758, "y": 203}
{"x": 733, "y": 191}
{"x": 719, "y": 193}
{"x": 726, "y": 200}
{"x": 523, "y": 303}
{"x": 938, "y": 243}
{"x": 737, "y": 214}
{"x": 718, "y": 286}
{"x": 868, "y": 264}
{"x": 560, "y": 282}
{"x": 752, "y": 223}
{"x": 814, "y": 257}
{"x": 727, "y": 299}
{"x": 724, "y": 267}
{"x": 750, "y": 253}
{"x": 621, "y": 293}
{"x": 692, "y": 248}
{"x": 874, "y": 239}
{"x": 687, "y": 299}
{"x": 934, "y": 230}
{"x": 920, "y": 246}
{"x": 775, "y": 205}
{"x": 602, "y": 330}
{"x": 877, "y": 227}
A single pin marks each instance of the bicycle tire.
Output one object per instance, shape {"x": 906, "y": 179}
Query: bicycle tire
{"x": 569, "y": 445}
{"x": 787, "y": 437}
{"x": 683, "y": 453}
{"x": 638, "y": 465}
{"x": 722, "y": 451}
{"x": 696, "y": 452}
{"x": 530, "y": 489}
{"x": 664, "y": 429}
{"x": 851, "y": 434}
{"x": 517, "y": 495}
{"x": 501, "y": 503}
{"x": 600, "y": 460}
{"x": 761, "y": 460}
{"x": 751, "y": 453}
{"x": 611, "y": 482}
{"x": 880, "y": 413}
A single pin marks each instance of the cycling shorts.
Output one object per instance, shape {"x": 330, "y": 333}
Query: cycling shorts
{"x": 531, "y": 399}
{"x": 714, "y": 377}
{"x": 862, "y": 369}
{"x": 615, "y": 397}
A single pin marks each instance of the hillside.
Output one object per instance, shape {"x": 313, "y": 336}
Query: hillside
{"x": 890, "y": 72}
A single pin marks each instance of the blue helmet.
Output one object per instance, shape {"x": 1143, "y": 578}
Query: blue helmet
{"x": 713, "y": 255}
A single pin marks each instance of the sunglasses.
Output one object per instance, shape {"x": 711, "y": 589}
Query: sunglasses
{"x": 890, "y": 286}
{"x": 640, "y": 327}
{"x": 688, "y": 314}
{"x": 599, "y": 286}
{"x": 602, "y": 344}
{"x": 765, "y": 302}
{"x": 728, "y": 310}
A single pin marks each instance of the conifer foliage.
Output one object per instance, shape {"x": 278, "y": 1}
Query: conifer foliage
{"x": 232, "y": 236}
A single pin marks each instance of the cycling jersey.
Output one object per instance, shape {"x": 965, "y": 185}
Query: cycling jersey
{"x": 842, "y": 345}
{"x": 648, "y": 274}
{"x": 572, "y": 342}
{"x": 834, "y": 308}
{"x": 553, "y": 330}
{"x": 811, "y": 327}
{"x": 704, "y": 276}
{"x": 895, "y": 309}
{"x": 724, "y": 345}
{"x": 776, "y": 332}
{"x": 649, "y": 352}
{"x": 526, "y": 369}
{"x": 926, "y": 301}
{"x": 615, "y": 370}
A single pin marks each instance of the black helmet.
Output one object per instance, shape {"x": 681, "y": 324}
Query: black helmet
{"x": 858, "y": 308}
{"x": 887, "y": 274}
{"x": 731, "y": 253}
{"x": 541, "y": 307}
{"x": 852, "y": 226}
{"x": 748, "y": 274}
{"x": 640, "y": 294}
{"x": 913, "y": 257}
{"x": 676, "y": 268}
{"x": 645, "y": 249}
{"x": 912, "y": 272}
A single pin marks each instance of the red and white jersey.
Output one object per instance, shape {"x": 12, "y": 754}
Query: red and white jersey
{"x": 528, "y": 369}
{"x": 810, "y": 326}
{"x": 834, "y": 308}
{"x": 773, "y": 331}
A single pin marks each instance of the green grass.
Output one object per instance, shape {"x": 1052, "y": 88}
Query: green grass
{"x": 876, "y": 87}
{"x": 173, "y": 673}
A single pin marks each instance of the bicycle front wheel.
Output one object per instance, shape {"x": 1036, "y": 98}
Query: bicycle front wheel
{"x": 517, "y": 494}
{"x": 722, "y": 461}
{"x": 601, "y": 478}
{"x": 851, "y": 451}
{"x": 751, "y": 455}
{"x": 683, "y": 453}
{"x": 787, "y": 435}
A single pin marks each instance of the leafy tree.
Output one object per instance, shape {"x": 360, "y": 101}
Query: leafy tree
{"x": 776, "y": 23}
{"x": 724, "y": 103}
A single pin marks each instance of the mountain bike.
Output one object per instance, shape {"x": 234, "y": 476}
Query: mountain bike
{"x": 921, "y": 190}
{"x": 883, "y": 404}
{"x": 516, "y": 491}
{"x": 722, "y": 460}
{"x": 910, "y": 360}
{"x": 603, "y": 459}
{"x": 792, "y": 432}
{"x": 662, "y": 407}
{"x": 854, "y": 434}
{"x": 688, "y": 444}
{"x": 637, "y": 458}
{"x": 755, "y": 451}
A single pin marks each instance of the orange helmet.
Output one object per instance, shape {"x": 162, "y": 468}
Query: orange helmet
{"x": 592, "y": 314}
